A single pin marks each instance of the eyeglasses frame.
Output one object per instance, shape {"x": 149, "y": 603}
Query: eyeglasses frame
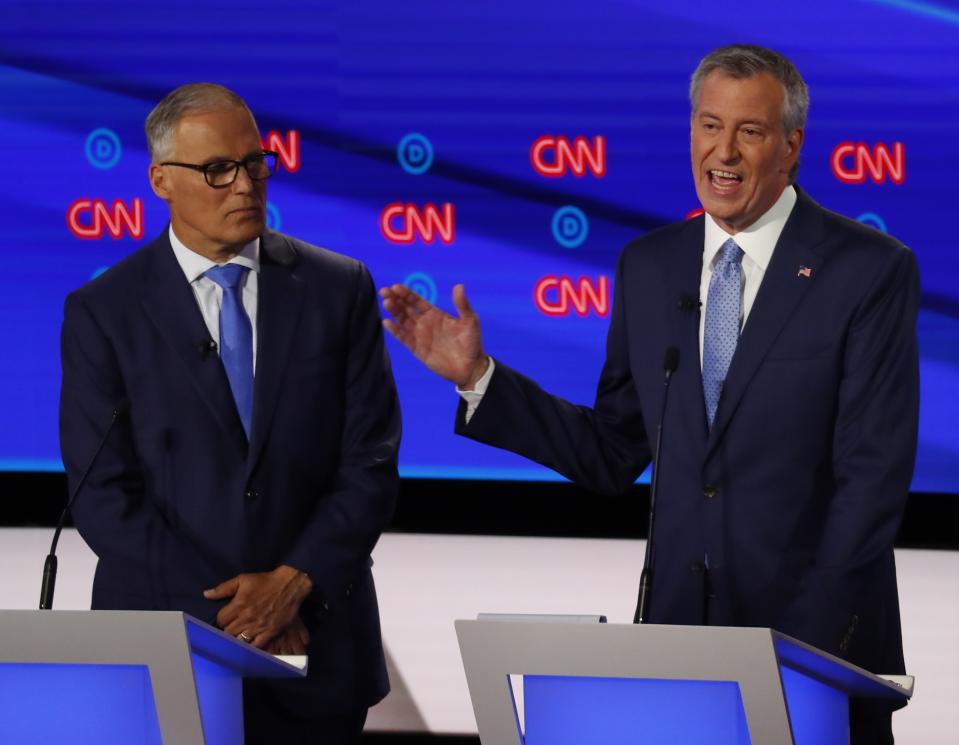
{"x": 205, "y": 168}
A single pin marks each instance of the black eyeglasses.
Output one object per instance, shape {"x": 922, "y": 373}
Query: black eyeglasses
{"x": 222, "y": 173}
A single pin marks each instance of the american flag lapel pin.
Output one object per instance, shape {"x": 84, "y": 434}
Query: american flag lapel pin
{"x": 804, "y": 271}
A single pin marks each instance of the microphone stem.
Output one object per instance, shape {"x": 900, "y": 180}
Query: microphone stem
{"x": 50, "y": 565}
{"x": 646, "y": 578}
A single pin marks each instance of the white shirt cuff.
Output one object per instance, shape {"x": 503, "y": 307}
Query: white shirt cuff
{"x": 474, "y": 396}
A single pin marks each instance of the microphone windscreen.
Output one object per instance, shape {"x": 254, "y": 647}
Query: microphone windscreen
{"x": 671, "y": 359}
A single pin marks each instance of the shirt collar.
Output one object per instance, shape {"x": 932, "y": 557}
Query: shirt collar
{"x": 759, "y": 239}
{"x": 195, "y": 266}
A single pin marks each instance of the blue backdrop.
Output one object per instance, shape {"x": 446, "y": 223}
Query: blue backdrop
{"x": 383, "y": 109}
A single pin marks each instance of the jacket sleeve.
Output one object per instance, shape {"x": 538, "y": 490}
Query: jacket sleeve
{"x": 340, "y": 533}
{"x": 604, "y": 448}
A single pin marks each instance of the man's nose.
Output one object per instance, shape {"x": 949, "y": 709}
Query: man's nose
{"x": 728, "y": 149}
{"x": 242, "y": 184}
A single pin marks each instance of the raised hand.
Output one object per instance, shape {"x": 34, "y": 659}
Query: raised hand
{"x": 450, "y": 347}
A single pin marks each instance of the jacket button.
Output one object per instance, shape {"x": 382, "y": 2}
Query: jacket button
{"x": 709, "y": 491}
{"x": 696, "y": 566}
{"x": 251, "y": 495}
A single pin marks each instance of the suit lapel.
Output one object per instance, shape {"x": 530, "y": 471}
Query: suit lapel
{"x": 780, "y": 293}
{"x": 280, "y": 297}
{"x": 170, "y": 303}
{"x": 685, "y": 270}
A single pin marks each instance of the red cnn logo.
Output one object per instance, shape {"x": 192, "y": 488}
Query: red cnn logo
{"x": 878, "y": 162}
{"x": 554, "y": 295}
{"x": 402, "y": 223}
{"x": 289, "y": 149}
{"x": 87, "y": 218}
{"x": 565, "y": 157}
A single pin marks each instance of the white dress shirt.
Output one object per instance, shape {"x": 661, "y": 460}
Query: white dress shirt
{"x": 757, "y": 242}
{"x": 208, "y": 294}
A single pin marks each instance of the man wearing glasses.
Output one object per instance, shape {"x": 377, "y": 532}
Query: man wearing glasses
{"x": 255, "y": 467}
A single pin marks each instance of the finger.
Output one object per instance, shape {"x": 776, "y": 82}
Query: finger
{"x": 263, "y": 640}
{"x": 303, "y": 636}
{"x": 412, "y": 301}
{"x": 401, "y": 292}
{"x": 228, "y": 614}
{"x": 223, "y": 590}
{"x": 399, "y": 311}
{"x": 461, "y": 303}
{"x": 400, "y": 333}
{"x": 238, "y": 626}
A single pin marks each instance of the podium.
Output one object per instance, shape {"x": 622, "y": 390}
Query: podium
{"x": 123, "y": 677}
{"x": 658, "y": 685}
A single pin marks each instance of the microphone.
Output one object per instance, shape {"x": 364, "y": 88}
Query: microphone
{"x": 50, "y": 565}
{"x": 670, "y": 363}
{"x": 206, "y": 347}
{"x": 687, "y": 302}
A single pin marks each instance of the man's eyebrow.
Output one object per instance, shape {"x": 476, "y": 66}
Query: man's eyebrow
{"x": 222, "y": 158}
{"x": 215, "y": 159}
{"x": 740, "y": 123}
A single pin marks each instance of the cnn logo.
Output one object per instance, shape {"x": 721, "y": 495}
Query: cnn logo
{"x": 554, "y": 157}
{"x": 559, "y": 296}
{"x": 404, "y": 223}
{"x": 852, "y": 162}
{"x": 288, "y": 149}
{"x": 91, "y": 218}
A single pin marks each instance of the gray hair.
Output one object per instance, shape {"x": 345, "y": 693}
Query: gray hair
{"x": 192, "y": 98}
{"x": 747, "y": 60}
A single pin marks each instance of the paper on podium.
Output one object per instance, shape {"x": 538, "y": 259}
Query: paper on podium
{"x": 298, "y": 661}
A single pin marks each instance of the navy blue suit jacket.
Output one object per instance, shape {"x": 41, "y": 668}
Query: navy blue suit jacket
{"x": 179, "y": 501}
{"x": 797, "y": 491}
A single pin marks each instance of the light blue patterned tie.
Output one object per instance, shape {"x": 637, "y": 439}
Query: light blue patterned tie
{"x": 721, "y": 333}
{"x": 236, "y": 338}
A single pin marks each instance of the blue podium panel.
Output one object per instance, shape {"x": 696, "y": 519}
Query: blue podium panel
{"x": 566, "y": 710}
{"x": 220, "y": 696}
{"x": 818, "y": 713}
{"x": 77, "y": 704}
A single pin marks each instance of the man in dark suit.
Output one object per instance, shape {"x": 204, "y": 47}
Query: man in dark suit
{"x": 255, "y": 467}
{"x": 790, "y": 431}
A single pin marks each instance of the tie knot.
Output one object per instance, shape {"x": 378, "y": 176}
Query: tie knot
{"x": 730, "y": 253}
{"x": 228, "y": 276}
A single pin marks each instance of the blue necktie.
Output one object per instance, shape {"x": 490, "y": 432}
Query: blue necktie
{"x": 236, "y": 338}
{"x": 721, "y": 331}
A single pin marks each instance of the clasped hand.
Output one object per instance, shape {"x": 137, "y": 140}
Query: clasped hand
{"x": 264, "y": 608}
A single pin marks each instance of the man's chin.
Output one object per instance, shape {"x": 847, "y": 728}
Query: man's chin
{"x": 247, "y": 230}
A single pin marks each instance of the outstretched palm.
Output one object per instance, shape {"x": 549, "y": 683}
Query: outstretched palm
{"x": 451, "y": 347}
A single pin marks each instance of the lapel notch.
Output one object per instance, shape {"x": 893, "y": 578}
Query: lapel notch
{"x": 783, "y": 287}
{"x": 170, "y": 303}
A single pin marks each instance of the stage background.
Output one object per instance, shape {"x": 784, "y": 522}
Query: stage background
{"x": 381, "y": 108}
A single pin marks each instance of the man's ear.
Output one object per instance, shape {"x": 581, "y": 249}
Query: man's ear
{"x": 159, "y": 182}
{"x": 794, "y": 141}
